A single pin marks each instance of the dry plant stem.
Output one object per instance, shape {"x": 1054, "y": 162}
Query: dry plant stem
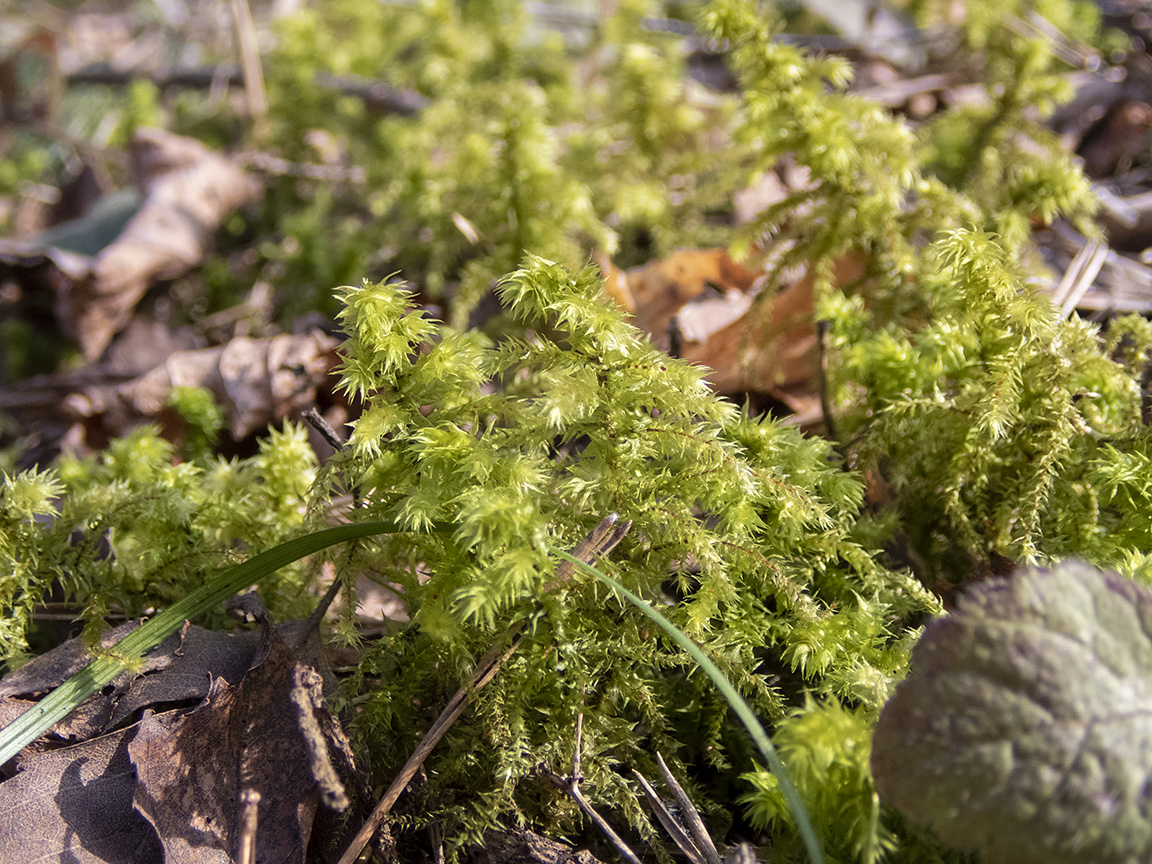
{"x": 671, "y": 825}
{"x": 249, "y": 812}
{"x": 322, "y": 426}
{"x": 600, "y": 541}
{"x": 270, "y": 164}
{"x": 316, "y": 420}
{"x": 322, "y": 608}
{"x": 822, "y": 328}
{"x": 1081, "y": 273}
{"x": 485, "y": 671}
{"x": 334, "y": 439}
{"x": 378, "y": 97}
{"x": 571, "y": 785}
{"x": 250, "y": 61}
{"x": 691, "y": 815}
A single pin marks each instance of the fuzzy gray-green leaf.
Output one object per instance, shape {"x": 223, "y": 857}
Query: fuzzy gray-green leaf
{"x": 1025, "y": 726}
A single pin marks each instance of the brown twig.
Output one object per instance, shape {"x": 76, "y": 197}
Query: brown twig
{"x": 822, "y": 328}
{"x": 316, "y": 420}
{"x": 485, "y": 671}
{"x": 571, "y": 785}
{"x": 250, "y": 63}
{"x": 270, "y": 164}
{"x": 377, "y": 96}
{"x": 600, "y": 541}
{"x": 671, "y": 825}
{"x": 698, "y": 848}
{"x": 249, "y": 813}
{"x": 689, "y": 813}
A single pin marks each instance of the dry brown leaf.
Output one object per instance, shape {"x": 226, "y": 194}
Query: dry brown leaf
{"x": 774, "y": 348}
{"x": 265, "y": 735}
{"x": 752, "y": 344}
{"x": 188, "y": 191}
{"x": 615, "y": 283}
{"x": 256, "y": 381}
{"x": 661, "y": 288}
{"x": 268, "y": 730}
{"x": 1119, "y": 137}
{"x": 75, "y": 804}
{"x": 177, "y": 670}
{"x": 260, "y": 381}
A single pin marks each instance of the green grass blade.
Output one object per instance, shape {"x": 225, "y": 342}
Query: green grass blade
{"x": 742, "y": 709}
{"x": 60, "y": 702}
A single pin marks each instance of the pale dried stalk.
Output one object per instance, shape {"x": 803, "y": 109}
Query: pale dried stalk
{"x": 600, "y": 541}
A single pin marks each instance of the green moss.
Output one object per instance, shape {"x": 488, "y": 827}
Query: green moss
{"x": 997, "y": 426}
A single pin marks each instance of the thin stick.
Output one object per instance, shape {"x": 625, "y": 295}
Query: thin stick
{"x": 484, "y": 673}
{"x": 249, "y": 813}
{"x": 270, "y": 164}
{"x": 1097, "y": 255}
{"x": 378, "y": 97}
{"x": 1079, "y": 276}
{"x": 689, "y": 814}
{"x": 600, "y": 541}
{"x": 675, "y": 829}
{"x": 316, "y": 420}
{"x": 822, "y": 328}
{"x": 250, "y": 61}
{"x": 335, "y": 440}
{"x": 571, "y": 785}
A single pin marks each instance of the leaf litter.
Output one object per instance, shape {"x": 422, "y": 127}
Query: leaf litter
{"x": 171, "y": 780}
{"x": 85, "y": 799}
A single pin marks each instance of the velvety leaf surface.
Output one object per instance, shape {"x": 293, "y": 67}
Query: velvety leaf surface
{"x": 1025, "y": 725}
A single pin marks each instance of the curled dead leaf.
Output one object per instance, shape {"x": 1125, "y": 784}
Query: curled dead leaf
{"x": 261, "y": 381}
{"x": 752, "y": 342}
{"x": 187, "y": 189}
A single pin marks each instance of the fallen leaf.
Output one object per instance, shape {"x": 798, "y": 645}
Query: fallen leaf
{"x": 752, "y": 343}
{"x": 178, "y": 670}
{"x": 75, "y": 804}
{"x": 1119, "y": 137}
{"x": 702, "y": 317}
{"x": 260, "y": 381}
{"x": 263, "y": 735}
{"x": 257, "y": 381}
{"x": 615, "y": 283}
{"x": 1023, "y": 727}
{"x": 660, "y": 289}
{"x": 188, "y": 191}
{"x": 268, "y": 730}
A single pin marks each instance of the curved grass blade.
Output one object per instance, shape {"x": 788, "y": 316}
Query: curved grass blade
{"x": 60, "y": 702}
{"x": 742, "y": 709}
